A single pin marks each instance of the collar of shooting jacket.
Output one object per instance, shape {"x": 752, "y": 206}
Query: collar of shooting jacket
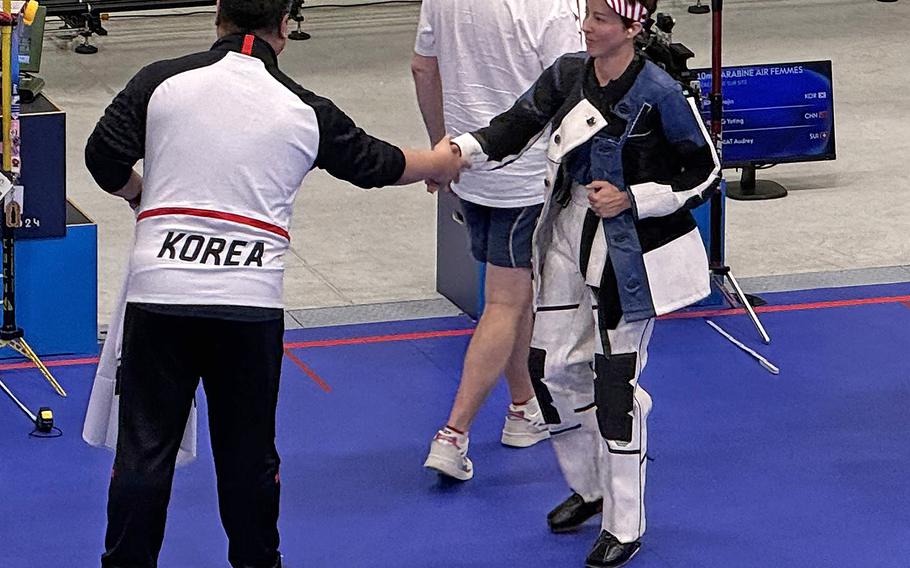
{"x": 625, "y": 8}
{"x": 248, "y": 44}
{"x": 604, "y": 97}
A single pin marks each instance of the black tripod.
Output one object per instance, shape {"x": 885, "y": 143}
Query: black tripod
{"x": 720, "y": 272}
{"x": 10, "y": 334}
{"x": 296, "y": 14}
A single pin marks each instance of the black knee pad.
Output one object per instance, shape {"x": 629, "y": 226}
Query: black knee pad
{"x": 614, "y": 395}
{"x": 536, "y": 364}
{"x": 609, "y": 310}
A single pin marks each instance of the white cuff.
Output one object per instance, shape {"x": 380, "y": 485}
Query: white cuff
{"x": 470, "y": 149}
{"x": 653, "y": 200}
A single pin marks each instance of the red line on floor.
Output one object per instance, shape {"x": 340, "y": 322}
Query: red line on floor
{"x": 58, "y": 363}
{"x": 309, "y": 372}
{"x": 94, "y": 360}
{"x": 905, "y": 300}
{"x": 379, "y": 338}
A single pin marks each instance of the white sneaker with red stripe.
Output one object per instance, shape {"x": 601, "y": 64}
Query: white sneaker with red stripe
{"x": 525, "y": 425}
{"x": 449, "y": 455}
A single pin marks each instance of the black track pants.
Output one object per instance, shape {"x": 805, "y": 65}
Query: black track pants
{"x": 163, "y": 358}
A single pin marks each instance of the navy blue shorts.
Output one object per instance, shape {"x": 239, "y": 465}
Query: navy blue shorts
{"x": 501, "y": 236}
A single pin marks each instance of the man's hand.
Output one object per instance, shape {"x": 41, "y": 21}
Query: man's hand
{"x": 606, "y": 200}
{"x": 131, "y": 192}
{"x": 448, "y": 164}
{"x": 135, "y": 203}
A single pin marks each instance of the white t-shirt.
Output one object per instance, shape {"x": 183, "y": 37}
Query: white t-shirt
{"x": 489, "y": 53}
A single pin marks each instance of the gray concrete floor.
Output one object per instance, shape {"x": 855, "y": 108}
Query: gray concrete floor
{"x": 352, "y": 247}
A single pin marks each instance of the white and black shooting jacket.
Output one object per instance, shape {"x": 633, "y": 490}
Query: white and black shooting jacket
{"x": 644, "y": 135}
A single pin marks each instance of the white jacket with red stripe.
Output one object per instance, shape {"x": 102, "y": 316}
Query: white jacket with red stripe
{"x": 227, "y": 140}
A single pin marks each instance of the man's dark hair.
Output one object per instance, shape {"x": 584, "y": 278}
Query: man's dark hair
{"x": 252, "y": 15}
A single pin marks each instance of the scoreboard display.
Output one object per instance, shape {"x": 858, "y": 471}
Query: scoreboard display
{"x": 774, "y": 113}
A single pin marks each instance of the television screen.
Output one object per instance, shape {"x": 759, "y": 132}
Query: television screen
{"x": 774, "y": 113}
{"x": 31, "y": 42}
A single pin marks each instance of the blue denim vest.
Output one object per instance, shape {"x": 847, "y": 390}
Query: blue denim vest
{"x": 600, "y": 158}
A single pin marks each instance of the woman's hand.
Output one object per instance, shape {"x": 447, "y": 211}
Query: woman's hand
{"x": 607, "y": 200}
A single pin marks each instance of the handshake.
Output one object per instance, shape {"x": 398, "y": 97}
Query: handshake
{"x": 445, "y": 165}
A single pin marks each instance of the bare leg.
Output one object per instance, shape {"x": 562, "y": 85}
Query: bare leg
{"x": 517, "y": 376}
{"x": 506, "y": 314}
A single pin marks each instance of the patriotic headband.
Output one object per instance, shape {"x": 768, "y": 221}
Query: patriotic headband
{"x": 635, "y": 12}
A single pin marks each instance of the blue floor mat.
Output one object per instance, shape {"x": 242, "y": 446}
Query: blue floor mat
{"x": 805, "y": 469}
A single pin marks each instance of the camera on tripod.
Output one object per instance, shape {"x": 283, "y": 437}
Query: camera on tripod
{"x": 656, "y": 43}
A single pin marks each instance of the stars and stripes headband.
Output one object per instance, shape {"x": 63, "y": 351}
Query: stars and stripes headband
{"x": 635, "y": 12}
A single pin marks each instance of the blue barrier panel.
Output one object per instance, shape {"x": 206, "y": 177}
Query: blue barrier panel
{"x": 57, "y": 290}
{"x": 43, "y": 128}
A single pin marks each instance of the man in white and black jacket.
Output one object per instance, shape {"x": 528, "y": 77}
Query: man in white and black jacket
{"x": 226, "y": 140}
{"x": 615, "y": 247}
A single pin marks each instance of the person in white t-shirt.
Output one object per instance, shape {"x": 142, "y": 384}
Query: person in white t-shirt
{"x": 472, "y": 59}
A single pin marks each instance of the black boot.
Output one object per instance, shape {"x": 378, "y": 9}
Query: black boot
{"x": 610, "y": 553}
{"x": 572, "y": 513}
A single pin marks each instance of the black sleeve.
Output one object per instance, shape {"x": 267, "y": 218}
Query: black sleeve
{"x": 118, "y": 141}
{"x": 511, "y": 132}
{"x": 349, "y": 153}
{"x": 346, "y": 151}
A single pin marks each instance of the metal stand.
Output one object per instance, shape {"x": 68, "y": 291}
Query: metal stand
{"x": 91, "y": 25}
{"x": 720, "y": 273}
{"x": 85, "y": 48}
{"x": 699, "y": 8}
{"x": 751, "y": 189}
{"x": 297, "y": 16}
{"x": 10, "y": 334}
